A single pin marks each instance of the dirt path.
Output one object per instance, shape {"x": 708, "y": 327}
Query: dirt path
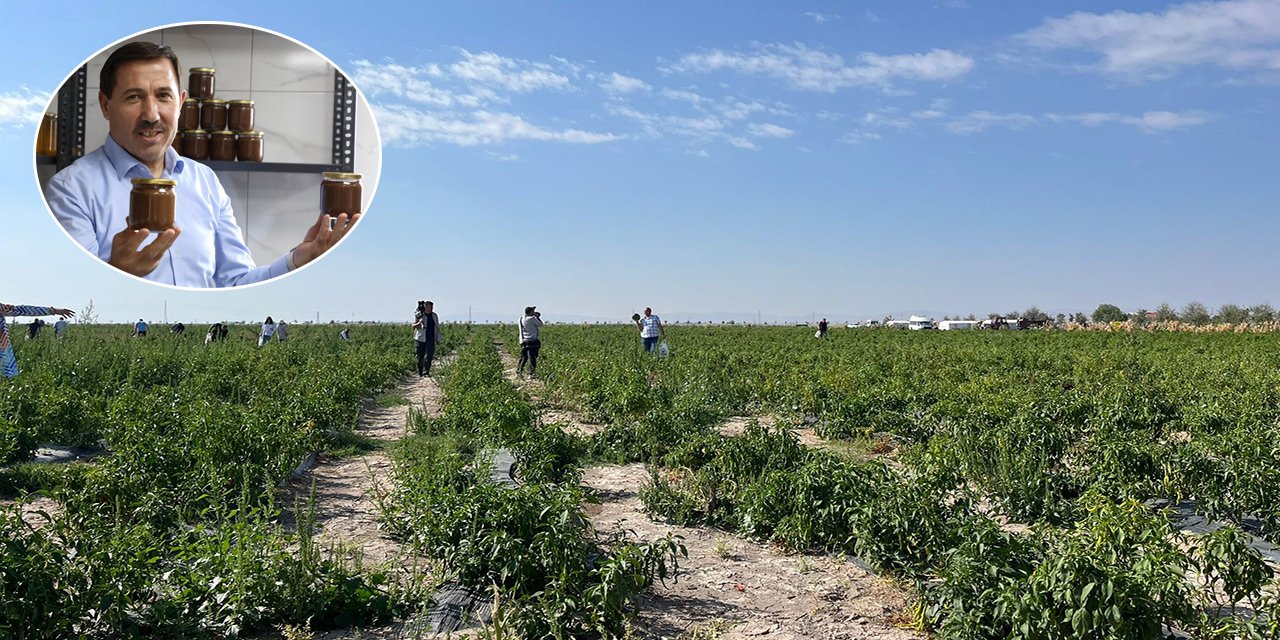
{"x": 347, "y": 489}
{"x": 730, "y": 587}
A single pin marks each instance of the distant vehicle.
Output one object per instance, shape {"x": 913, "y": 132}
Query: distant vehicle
{"x": 920, "y": 323}
{"x": 868, "y": 323}
{"x": 897, "y": 324}
{"x": 952, "y": 325}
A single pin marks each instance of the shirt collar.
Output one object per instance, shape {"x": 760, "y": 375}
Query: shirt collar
{"x": 128, "y": 166}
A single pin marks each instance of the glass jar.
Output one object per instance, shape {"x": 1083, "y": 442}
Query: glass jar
{"x": 151, "y": 204}
{"x": 195, "y": 144}
{"x": 177, "y": 142}
{"x": 200, "y": 83}
{"x": 213, "y": 115}
{"x": 222, "y": 145}
{"x": 249, "y": 146}
{"x": 47, "y": 136}
{"x": 339, "y": 193}
{"x": 240, "y": 115}
{"x": 189, "y": 117}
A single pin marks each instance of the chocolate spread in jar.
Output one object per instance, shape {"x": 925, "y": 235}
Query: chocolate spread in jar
{"x": 213, "y": 115}
{"x": 222, "y": 145}
{"x": 151, "y": 204}
{"x": 200, "y": 83}
{"x": 249, "y": 146}
{"x": 240, "y": 115}
{"x": 339, "y": 193}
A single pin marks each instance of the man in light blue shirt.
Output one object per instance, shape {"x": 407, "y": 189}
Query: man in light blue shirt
{"x": 140, "y": 98}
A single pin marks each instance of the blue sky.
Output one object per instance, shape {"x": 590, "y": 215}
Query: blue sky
{"x": 847, "y": 159}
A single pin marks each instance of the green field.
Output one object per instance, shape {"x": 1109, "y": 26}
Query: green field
{"x": 1008, "y": 479}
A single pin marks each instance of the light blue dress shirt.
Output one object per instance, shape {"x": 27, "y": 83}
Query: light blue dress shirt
{"x": 91, "y": 200}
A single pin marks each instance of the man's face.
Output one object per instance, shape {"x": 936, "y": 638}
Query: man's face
{"x": 428, "y": 307}
{"x": 142, "y": 111}
{"x": 648, "y": 312}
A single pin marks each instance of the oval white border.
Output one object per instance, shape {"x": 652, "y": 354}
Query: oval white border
{"x": 35, "y": 167}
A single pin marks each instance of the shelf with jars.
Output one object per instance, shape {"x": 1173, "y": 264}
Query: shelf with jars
{"x": 216, "y": 128}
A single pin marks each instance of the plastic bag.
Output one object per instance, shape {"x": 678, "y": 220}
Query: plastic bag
{"x": 817, "y": 334}
{"x": 663, "y": 349}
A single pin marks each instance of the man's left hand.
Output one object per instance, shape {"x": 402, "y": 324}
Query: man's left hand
{"x": 320, "y": 237}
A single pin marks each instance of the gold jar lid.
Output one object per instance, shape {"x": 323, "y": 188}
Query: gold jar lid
{"x": 213, "y": 101}
{"x": 224, "y": 132}
{"x": 195, "y": 131}
{"x": 337, "y": 175}
{"x": 249, "y": 102}
{"x": 50, "y": 115}
{"x": 250, "y": 134}
{"x": 155, "y": 182}
{"x": 190, "y": 100}
{"x": 202, "y": 70}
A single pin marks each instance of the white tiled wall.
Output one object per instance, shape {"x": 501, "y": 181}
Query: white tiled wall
{"x": 292, "y": 90}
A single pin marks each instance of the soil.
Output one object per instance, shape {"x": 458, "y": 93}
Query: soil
{"x": 348, "y": 490}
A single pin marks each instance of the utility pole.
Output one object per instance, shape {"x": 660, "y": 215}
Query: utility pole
{"x": 166, "y": 312}
{"x": 468, "y": 314}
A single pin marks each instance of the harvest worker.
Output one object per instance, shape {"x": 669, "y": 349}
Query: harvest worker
{"x": 529, "y": 342}
{"x": 822, "y": 328}
{"x": 140, "y": 97}
{"x": 268, "y": 330}
{"x": 140, "y": 328}
{"x": 8, "y": 362}
{"x": 651, "y": 329}
{"x": 426, "y": 335}
{"x": 282, "y": 331}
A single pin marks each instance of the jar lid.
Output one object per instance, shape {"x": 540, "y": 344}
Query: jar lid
{"x": 226, "y": 132}
{"x": 50, "y": 115}
{"x": 190, "y": 100}
{"x": 337, "y": 175}
{"x": 202, "y": 70}
{"x": 213, "y": 101}
{"x": 155, "y": 182}
{"x": 239, "y": 102}
{"x": 199, "y": 131}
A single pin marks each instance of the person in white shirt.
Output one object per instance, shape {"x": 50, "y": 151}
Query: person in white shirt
{"x": 426, "y": 335}
{"x": 268, "y": 330}
{"x": 529, "y": 341}
{"x": 651, "y": 329}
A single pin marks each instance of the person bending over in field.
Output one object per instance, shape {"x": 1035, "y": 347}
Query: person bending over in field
{"x": 8, "y": 362}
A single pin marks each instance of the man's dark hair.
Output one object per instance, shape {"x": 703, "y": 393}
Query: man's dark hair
{"x": 528, "y": 310}
{"x": 429, "y": 302}
{"x": 129, "y": 53}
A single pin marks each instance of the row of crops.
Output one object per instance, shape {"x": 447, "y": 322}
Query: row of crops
{"x": 177, "y": 530}
{"x": 1020, "y": 500}
{"x": 1008, "y": 477}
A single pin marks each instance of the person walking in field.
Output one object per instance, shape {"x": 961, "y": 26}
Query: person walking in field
{"x": 268, "y": 330}
{"x": 651, "y": 330}
{"x": 282, "y": 331}
{"x": 426, "y": 335}
{"x": 60, "y": 328}
{"x": 140, "y": 329}
{"x": 529, "y": 341}
{"x": 822, "y": 328}
{"x": 9, "y": 362}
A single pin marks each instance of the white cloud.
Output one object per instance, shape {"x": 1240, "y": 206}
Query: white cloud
{"x": 1149, "y": 122}
{"x": 768, "y": 130}
{"x": 407, "y": 126}
{"x": 859, "y": 137}
{"x": 741, "y": 143}
{"x": 979, "y": 121}
{"x": 886, "y": 118}
{"x": 1234, "y": 34}
{"x": 518, "y": 76}
{"x": 871, "y": 17}
{"x": 822, "y": 18}
{"x": 812, "y": 70}
{"x": 618, "y": 83}
{"x": 22, "y": 108}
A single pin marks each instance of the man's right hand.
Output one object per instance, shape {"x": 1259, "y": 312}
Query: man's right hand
{"x": 127, "y": 257}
